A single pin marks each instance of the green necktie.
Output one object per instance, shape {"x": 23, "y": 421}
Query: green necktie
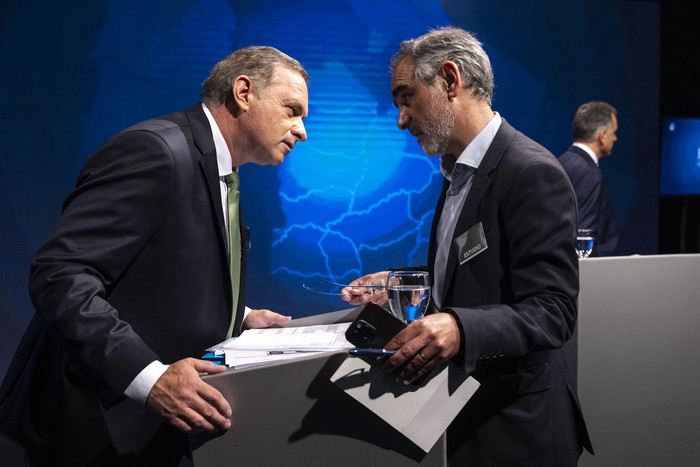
{"x": 234, "y": 243}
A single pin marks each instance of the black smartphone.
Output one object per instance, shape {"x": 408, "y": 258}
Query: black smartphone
{"x": 373, "y": 327}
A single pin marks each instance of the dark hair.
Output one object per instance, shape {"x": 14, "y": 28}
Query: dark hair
{"x": 590, "y": 118}
{"x": 430, "y": 50}
{"x": 256, "y": 62}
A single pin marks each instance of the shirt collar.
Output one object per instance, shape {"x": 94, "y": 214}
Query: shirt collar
{"x": 223, "y": 155}
{"x": 475, "y": 151}
{"x": 588, "y": 150}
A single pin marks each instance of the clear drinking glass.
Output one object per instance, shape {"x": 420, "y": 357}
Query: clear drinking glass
{"x": 408, "y": 294}
{"x": 585, "y": 239}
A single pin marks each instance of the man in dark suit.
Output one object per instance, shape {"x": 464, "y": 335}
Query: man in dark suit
{"x": 134, "y": 280}
{"x": 594, "y": 127}
{"x": 502, "y": 260}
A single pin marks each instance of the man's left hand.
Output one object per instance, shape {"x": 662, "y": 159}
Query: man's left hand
{"x": 185, "y": 401}
{"x": 263, "y": 318}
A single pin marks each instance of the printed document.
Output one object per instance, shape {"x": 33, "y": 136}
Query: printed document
{"x": 258, "y": 346}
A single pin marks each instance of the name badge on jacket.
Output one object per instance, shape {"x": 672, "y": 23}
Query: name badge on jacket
{"x": 471, "y": 243}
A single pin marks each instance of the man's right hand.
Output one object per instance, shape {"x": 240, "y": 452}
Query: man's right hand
{"x": 188, "y": 403}
{"x": 362, "y": 295}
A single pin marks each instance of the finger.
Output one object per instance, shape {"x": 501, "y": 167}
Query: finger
{"x": 417, "y": 367}
{"x": 216, "y": 400}
{"x": 189, "y": 421}
{"x": 354, "y": 296}
{"x": 181, "y": 425}
{"x": 211, "y": 419}
{"x": 206, "y": 366}
{"x": 357, "y": 287}
{"x": 354, "y": 288}
{"x": 210, "y": 403}
{"x": 410, "y": 357}
{"x": 207, "y": 416}
{"x": 395, "y": 363}
{"x": 423, "y": 357}
{"x": 407, "y": 344}
{"x": 380, "y": 299}
{"x": 265, "y": 318}
{"x": 197, "y": 422}
{"x": 278, "y": 318}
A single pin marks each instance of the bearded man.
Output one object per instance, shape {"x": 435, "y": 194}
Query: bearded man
{"x": 502, "y": 259}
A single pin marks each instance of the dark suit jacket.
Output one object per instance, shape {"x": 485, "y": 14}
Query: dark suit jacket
{"x": 595, "y": 209}
{"x": 516, "y": 302}
{"x": 135, "y": 270}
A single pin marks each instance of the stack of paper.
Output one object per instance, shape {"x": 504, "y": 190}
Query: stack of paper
{"x": 259, "y": 346}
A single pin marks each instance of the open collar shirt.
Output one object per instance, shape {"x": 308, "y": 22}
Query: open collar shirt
{"x": 461, "y": 178}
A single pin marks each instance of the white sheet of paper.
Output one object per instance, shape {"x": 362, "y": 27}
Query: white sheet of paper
{"x": 239, "y": 359}
{"x": 422, "y": 412}
{"x": 318, "y": 338}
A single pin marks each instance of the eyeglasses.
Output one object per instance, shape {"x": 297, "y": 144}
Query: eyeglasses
{"x": 370, "y": 289}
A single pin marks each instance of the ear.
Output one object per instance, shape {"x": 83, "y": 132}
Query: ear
{"x": 241, "y": 91}
{"x": 453, "y": 80}
{"x": 601, "y": 135}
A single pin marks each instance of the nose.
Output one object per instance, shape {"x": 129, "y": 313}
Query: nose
{"x": 404, "y": 119}
{"x": 299, "y": 130}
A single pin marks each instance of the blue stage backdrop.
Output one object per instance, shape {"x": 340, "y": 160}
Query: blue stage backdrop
{"x": 358, "y": 196}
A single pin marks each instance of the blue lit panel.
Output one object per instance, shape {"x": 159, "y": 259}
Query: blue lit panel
{"x": 680, "y": 156}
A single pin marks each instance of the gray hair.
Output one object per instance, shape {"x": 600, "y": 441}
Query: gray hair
{"x": 431, "y": 50}
{"x": 590, "y": 118}
{"x": 256, "y": 62}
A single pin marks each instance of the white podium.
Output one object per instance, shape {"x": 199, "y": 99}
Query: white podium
{"x": 638, "y": 348}
{"x": 291, "y": 414}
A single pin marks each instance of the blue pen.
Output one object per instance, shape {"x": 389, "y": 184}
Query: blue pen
{"x": 371, "y": 352}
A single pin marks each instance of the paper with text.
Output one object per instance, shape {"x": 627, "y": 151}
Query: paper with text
{"x": 305, "y": 338}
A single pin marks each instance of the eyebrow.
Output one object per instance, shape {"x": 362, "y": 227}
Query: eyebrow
{"x": 298, "y": 108}
{"x": 398, "y": 89}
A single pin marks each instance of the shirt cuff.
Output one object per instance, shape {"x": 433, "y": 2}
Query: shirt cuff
{"x": 143, "y": 383}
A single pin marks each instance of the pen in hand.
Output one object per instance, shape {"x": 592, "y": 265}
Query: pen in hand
{"x": 371, "y": 352}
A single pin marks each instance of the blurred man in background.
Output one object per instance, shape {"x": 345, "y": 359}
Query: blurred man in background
{"x": 594, "y": 128}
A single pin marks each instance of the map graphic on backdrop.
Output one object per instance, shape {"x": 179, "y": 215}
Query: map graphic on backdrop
{"x": 358, "y": 196}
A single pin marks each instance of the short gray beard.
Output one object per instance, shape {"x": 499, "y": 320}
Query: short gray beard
{"x": 436, "y": 134}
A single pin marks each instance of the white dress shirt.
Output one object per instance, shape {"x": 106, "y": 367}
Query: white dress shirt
{"x": 588, "y": 150}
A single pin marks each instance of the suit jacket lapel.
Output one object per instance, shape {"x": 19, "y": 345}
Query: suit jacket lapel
{"x": 470, "y": 211}
{"x": 432, "y": 245}
{"x": 204, "y": 141}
